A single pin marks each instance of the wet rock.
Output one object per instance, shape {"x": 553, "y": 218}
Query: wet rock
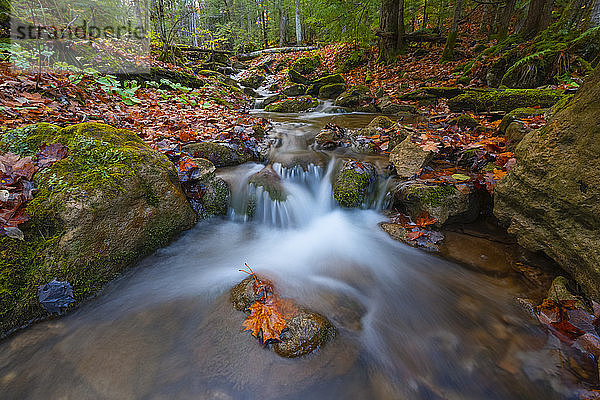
{"x": 111, "y": 201}
{"x": 244, "y": 294}
{"x": 272, "y": 99}
{"x": 250, "y": 92}
{"x": 270, "y": 182}
{"x": 517, "y": 115}
{"x": 354, "y": 183}
{"x": 444, "y": 203}
{"x": 559, "y": 291}
{"x": 408, "y": 158}
{"x": 504, "y": 100}
{"x": 389, "y": 107}
{"x": 294, "y": 90}
{"x": 551, "y": 199}
{"x": 429, "y": 241}
{"x": 357, "y": 98}
{"x": 315, "y": 86}
{"x": 295, "y": 104}
{"x": 306, "y": 65}
{"x": 297, "y": 77}
{"x": 216, "y": 198}
{"x": 515, "y": 132}
{"x": 330, "y": 137}
{"x": 307, "y": 332}
{"x": 331, "y": 91}
{"x": 220, "y": 154}
{"x": 465, "y": 121}
{"x": 206, "y": 169}
{"x": 384, "y": 125}
{"x": 253, "y": 80}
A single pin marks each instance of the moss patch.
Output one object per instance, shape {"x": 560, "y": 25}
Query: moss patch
{"x": 504, "y": 100}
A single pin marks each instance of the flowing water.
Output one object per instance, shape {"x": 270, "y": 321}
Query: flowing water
{"x": 410, "y": 325}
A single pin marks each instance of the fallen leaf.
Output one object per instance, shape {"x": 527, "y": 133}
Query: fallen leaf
{"x": 265, "y": 318}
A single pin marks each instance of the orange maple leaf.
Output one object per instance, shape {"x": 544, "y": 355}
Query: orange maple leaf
{"x": 265, "y": 318}
{"x": 425, "y": 219}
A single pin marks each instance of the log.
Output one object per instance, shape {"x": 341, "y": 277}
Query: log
{"x": 254, "y": 54}
{"x": 193, "y": 49}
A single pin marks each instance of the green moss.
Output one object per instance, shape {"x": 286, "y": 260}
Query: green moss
{"x": 216, "y": 198}
{"x": 504, "y": 100}
{"x": 430, "y": 195}
{"x": 465, "y": 121}
{"x": 354, "y": 60}
{"x": 295, "y": 104}
{"x": 314, "y": 88}
{"x": 351, "y": 188}
{"x": 26, "y": 141}
{"x": 306, "y": 65}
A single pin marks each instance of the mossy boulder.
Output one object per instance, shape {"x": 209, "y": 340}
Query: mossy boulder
{"x": 307, "y": 331}
{"x": 331, "y": 91}
{"x": 253, "y": 79}
{"x": 294, "y": 90}
{"x": 111, "y": 201}
{"x": 353, "y": 60}
{"x": 408, "y": 158}
{"x": 504, "y": 100}
{"x": 446, "y": 204}
{"x": 518, "y": 114}
{"x": 354, "y": 184}
{"x": 551, "y": 199}
{"x": 296, "y": 77}
{"x": 389, "y": 107}
{"x": 357, "y": 98}
{"x": 533, "y": 70}
{"x": 315, "y": 86}
{"x": 270, "y": 182}
{"x": 156, "y": 74}
{"x": 465, "y": 121}
{"x": 385, "y": 126}
{"x": 220, "y": 154}
{"x": 294, "y": 104}
{"x": 307, "y": 65}
{"x": 216, "y": 198}
{"x": 272, "y": 99}
{"x": 514, "y": 134}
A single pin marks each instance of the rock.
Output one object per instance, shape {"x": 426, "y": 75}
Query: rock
{"x": 517, "y": 114}
{"x": 551, "y": 199}
{"x": 243, "y": 295}
{"x": 355, "y": 59}
{"x": 307, "y": 332}
{"x": 388, "y": 107}
{"x": 314, "y": 88}
{"x": 504, "y": 100}
{"x": 331, "y": 91}
{"x": 515, "y": 132}
{"x": 306, "y": 65}
{"x": 354, "y": 183}
{"x": 444, "y": 92}
{"x": 297, "y": 77}
{"x": 294, "y": 90}
{"x": 330, "y": 137}
{"x": 270, "y": 182}
{"x": 111, "y": 201}
{"x": 250, "y": 92}
{"x": 216, "y": 198}
{"x": 295, "y": 104}
{"x": 408, "y": 158}
{"x": 465, "y": 121}
{"x": 206, "y": 169}
{"x": 384, "y": 125}
{"x": 357, "y": 98}
{"x": 253, "y": 80}
{"x": 220, "y": 154}
{"x": 272, "y": 99}
{"x": 445, "y": 203}
{"x": 559, "y": 292}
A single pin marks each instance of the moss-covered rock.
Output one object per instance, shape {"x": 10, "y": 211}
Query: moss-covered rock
{"x": 465, "y": 121}
{"x": 514, "y": 134}
{"x": 355, "y": 59}
{"x": 156, "y": 74}
{"x": 220, "y": 154}
{"x": 294, "y": 90}
{"x": 518, "y": 114}
{"x": 551, "y": 199}
{"x": 387, "y": 106}
{"x": 504, "y": 100}
{"x": 307, "y": 331}
{"x": 354, "y": 183}
{"x": 357, "y": 98}
{"x": 331, "y": 91}
{"x": 295, "y": 104}
{"x": 306, "y": 65}
{"x": 253, "y": 79}
{"x": 111, "y": 201}
{"x": 296, "y": 77}
{"x": 408, "y": 158}
{"x": 270, "y": 182}
{"x": 315, "y": 86}
{"x": 444, "y": 203}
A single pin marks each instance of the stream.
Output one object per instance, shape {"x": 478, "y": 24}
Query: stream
{"x": 411, "y": 325}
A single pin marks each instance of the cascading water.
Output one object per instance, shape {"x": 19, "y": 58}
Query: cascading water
{"x": 410, "y": 325}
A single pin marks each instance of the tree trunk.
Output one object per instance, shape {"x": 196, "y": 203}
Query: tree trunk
{"x": 453, "y": 34}
{"x": 402, "y": 45}
{"x": 424, "y": 16}
{"x": 485, "y": 23}
{"x": 298, "y": 24}
{"x": 595, "y": 14}
{"x": 507, "y": 13}
{"x": 536, "y": 18}
{"x": 388, "y": 30}
{"x": 281, "y": 23}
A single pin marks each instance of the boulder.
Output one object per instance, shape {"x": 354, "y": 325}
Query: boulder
{"x": 408, "y": 158}
{"x": 220, "y": 154}
{"x": 272, "y": 99}
{"x": 354, "y": 184}
{"x": 253, "y": 79}
{"x": 465, "y": 121}
{"x": 111, "y": 201}
{"x": 331, "y": 91}
{"x": 330, "y": 137}
{"x": 294, "y": 104}
{"x": 307, "y": 331}
{"x": 297, "y": 77}
{"x": 216, "y": 198}
{"x": 551, "y": 199}
{"x": 515, "y": 132}
{"x": 270, "y": 182}
{"x": 314, "y": 88}
{"x": 294, "y": 90}
{"x": 244, "y": 294}
{"x": 504, "y": 100}
{"x": 384, "y": 126}
{"x": 306, "y": 65}
{"x": 387, "y": 106}
{"x": 518, "y": 114}
{"x": 357, "y": 98}
{"x": 447, "y": 204}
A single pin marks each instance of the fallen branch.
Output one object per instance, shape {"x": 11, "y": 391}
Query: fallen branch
{"x": 254, "y": 54}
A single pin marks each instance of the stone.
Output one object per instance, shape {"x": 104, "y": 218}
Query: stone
{"x": 297, "y": 77}
{"x": 504, "y": 100}
{"x": 465, "y": 121}
{"x": 294, "y": 90}
{"x": 315, "y": 86}
{"x": 111, "y": 201}
{"x": 306, "y": 65}
{"x": 551, "y": 199}
{"x": 408, "y": 158}
{"x": 243, "y": 295}
{"x": 518, "y": 114}
{"x": 294, "y": 104}
{"x": 307, "y": 332}
{"x": 515, "y": 132}
{"x": 357, "y": 98}
{"x": 270, "y": 182}
{"x": 220, "y": 154}
{"x": 389, "y": 107}
{"x": 331, "y": 91}
{"x": 354, "y": 183}
{"x": 253, "y": 80}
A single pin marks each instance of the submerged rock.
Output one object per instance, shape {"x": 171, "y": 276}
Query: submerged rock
{"x": 307, "y": 332}
{"x": 295, "y": 104}
{"x": 111, "y": 201}
{"x": 270, "y": 182}
{"x": 551, "y": 199}
{"x": 354, "y": 183}
{"x": 408, "y": 158}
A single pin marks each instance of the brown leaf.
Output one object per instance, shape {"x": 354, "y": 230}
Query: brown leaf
{"x": 265, "y": 318}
